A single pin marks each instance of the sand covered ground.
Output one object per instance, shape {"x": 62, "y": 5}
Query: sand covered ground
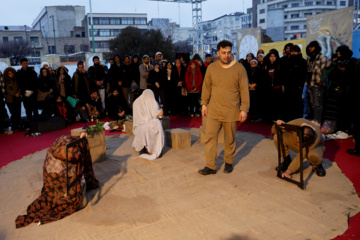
{"x": 167, "y": 199}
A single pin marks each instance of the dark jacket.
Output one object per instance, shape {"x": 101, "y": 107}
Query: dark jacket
{"x": 27, "y": 80}
{"x": 97, "y": 73}
{"x": 116, "y": 105}
{"x": 127, "y": 75}
{"x": 157, "y": 77}
{"x": 115, "y": 76}
{"x": 81, "y": 90}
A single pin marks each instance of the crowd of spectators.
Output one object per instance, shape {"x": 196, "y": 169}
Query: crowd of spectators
{"x": 293, "y": 86}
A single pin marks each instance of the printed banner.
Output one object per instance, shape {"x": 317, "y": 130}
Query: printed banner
{"x": 4, "y": 63}
{"x": 53, "y": 60}
{"x": 280, "y": 46}
{"x": 331, "y": 29}
{"x": 248, "y": 41}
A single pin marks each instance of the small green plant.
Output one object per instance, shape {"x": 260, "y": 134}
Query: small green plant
{"x": 94, "y": 129}
{"x": 128, "y": 118}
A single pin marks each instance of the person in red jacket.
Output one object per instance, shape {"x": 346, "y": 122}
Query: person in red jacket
{"x": 193, "y": 80}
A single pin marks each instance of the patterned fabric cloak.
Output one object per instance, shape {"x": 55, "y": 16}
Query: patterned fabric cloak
{"x": 53, "y": 204}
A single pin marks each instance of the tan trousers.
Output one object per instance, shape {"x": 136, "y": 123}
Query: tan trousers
{"x": 212, "y": 130}
{"x": 128, "y": 94}
{"x": 315, "y": 155}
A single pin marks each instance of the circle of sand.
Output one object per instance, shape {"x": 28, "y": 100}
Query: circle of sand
{"x": 167, "y": 199}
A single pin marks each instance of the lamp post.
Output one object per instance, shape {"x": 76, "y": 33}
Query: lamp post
{"x": 53, "y": 20}
{"x": 92, "y": 28}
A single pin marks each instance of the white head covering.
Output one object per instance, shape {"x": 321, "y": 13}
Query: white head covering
{"x": 147, "y": 127}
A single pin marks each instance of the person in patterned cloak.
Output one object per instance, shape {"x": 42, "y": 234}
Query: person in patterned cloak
{"x": 53, "y": 204}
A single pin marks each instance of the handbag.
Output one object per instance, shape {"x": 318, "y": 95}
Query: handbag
{"x": 41, "y": 96}
{"x": 134, "y": 86}
{"x": 72, "y": 101}
{"x": 184, "y": 92}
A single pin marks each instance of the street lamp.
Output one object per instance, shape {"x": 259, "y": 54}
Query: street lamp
{"x": 92, "y": 27}
{"x": 52, "y": 16}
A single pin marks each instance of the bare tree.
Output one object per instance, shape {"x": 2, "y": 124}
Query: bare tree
{"x": 15, "y": 50}
{"x": 183, "y": 47}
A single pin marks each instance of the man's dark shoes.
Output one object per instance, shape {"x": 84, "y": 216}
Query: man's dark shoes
{"x": 320, "y": 171}
{"x": 206, "y": 171}
{"x": 353, "y": 152}
{"x": 228, "y": 168}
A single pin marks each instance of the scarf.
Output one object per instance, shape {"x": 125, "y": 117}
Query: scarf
{"x": 62, "y": 109}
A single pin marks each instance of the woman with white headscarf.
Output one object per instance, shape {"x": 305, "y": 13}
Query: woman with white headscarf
{"x": 147, "y": 128}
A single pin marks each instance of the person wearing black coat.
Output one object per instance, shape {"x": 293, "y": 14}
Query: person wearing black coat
{"x": 178, "y": 82}
{"x": 47, "y": 89}
{"x": 273, "y": 87}
{"x": 157, "y": 78}
{"x": 97, "y": 76}
{"x": 63, "y": 82}
{"x": 28, "y": 83}
{"x": 294, "y": 76}
{"x": 117, "y": 107}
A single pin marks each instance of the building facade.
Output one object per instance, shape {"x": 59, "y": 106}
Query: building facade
{"x": 284, "y": 19}
{"x": 225, "y": 28}
{"x": 61, "y": 27}
{"x": 24, "y": 33}
{"x": 108, "y": 25}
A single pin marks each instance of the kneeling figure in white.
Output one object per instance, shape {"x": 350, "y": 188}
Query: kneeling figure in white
{"x": 147, "y": 127}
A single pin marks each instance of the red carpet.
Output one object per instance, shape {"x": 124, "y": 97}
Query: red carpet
{"x": 16, "y": 146}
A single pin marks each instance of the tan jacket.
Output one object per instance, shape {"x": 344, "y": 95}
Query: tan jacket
{"x": 222, "y": 90}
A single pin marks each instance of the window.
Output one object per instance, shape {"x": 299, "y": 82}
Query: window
{"x": 5, "y": 39}
{"x": 127, "y": 21}
{"x": 140, "y": 21}
{"x": 329, "y": 3}
{"x": 115, "y": 32}
{"x": 96, "y": 32}
{"x": 262, "y": 20}
{"x": 308, "y": 3}
{"x": 95, "y": 21}
{"x": 342, "y": 3}
{"x": 104, "y": 21}
{"x": 237, "y": 19}
{"x": 307, "y": 14}
{"x": 284, "y": 6}
{"x": 296, "y": 27}
{"x": 51, "y": 49}
{"x": 34, "y": 41}
{"x": 69, "y": 49}
{"x": 304, "y": 26}
{"x": 35, "y": 53}
{"x": 262, "y": 10}
{"x": 18, "y": 39}
{"x": 104, "y": 32}
{"x": 285, "y": 16}
{"x": 101, "y": 44}
{"x": 294, "y": 15}
{"x": 115, "y": 21}
{"x": 318, "y": 3}
{"x": 294, "y": 4}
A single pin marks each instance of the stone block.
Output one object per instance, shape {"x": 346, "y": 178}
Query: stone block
{"x": 129, "y": 127}
{"x": 98, "y": 154}
{"x": 178, "y": 138}
{"x": 96, "y": 144}
{"x": 165, "y": 122}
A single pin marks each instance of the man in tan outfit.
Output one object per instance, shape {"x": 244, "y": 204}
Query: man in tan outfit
{"x": 225, "y": 83}
{"x": 313, "y": 147}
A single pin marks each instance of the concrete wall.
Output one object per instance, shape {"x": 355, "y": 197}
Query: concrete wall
{"x": 275, "y": 24}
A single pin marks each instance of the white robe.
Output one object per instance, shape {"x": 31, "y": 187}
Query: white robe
{"x": 147, "y": 127}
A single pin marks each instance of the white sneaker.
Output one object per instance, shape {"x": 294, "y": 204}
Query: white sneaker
{"x": 338, "y": 135}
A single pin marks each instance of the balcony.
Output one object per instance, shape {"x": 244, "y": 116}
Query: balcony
{"x": 295, "y": 31}
{"x": 299, "y": 19}
{"x": 312, "y": 7}
{"x": 36, "y": 45}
